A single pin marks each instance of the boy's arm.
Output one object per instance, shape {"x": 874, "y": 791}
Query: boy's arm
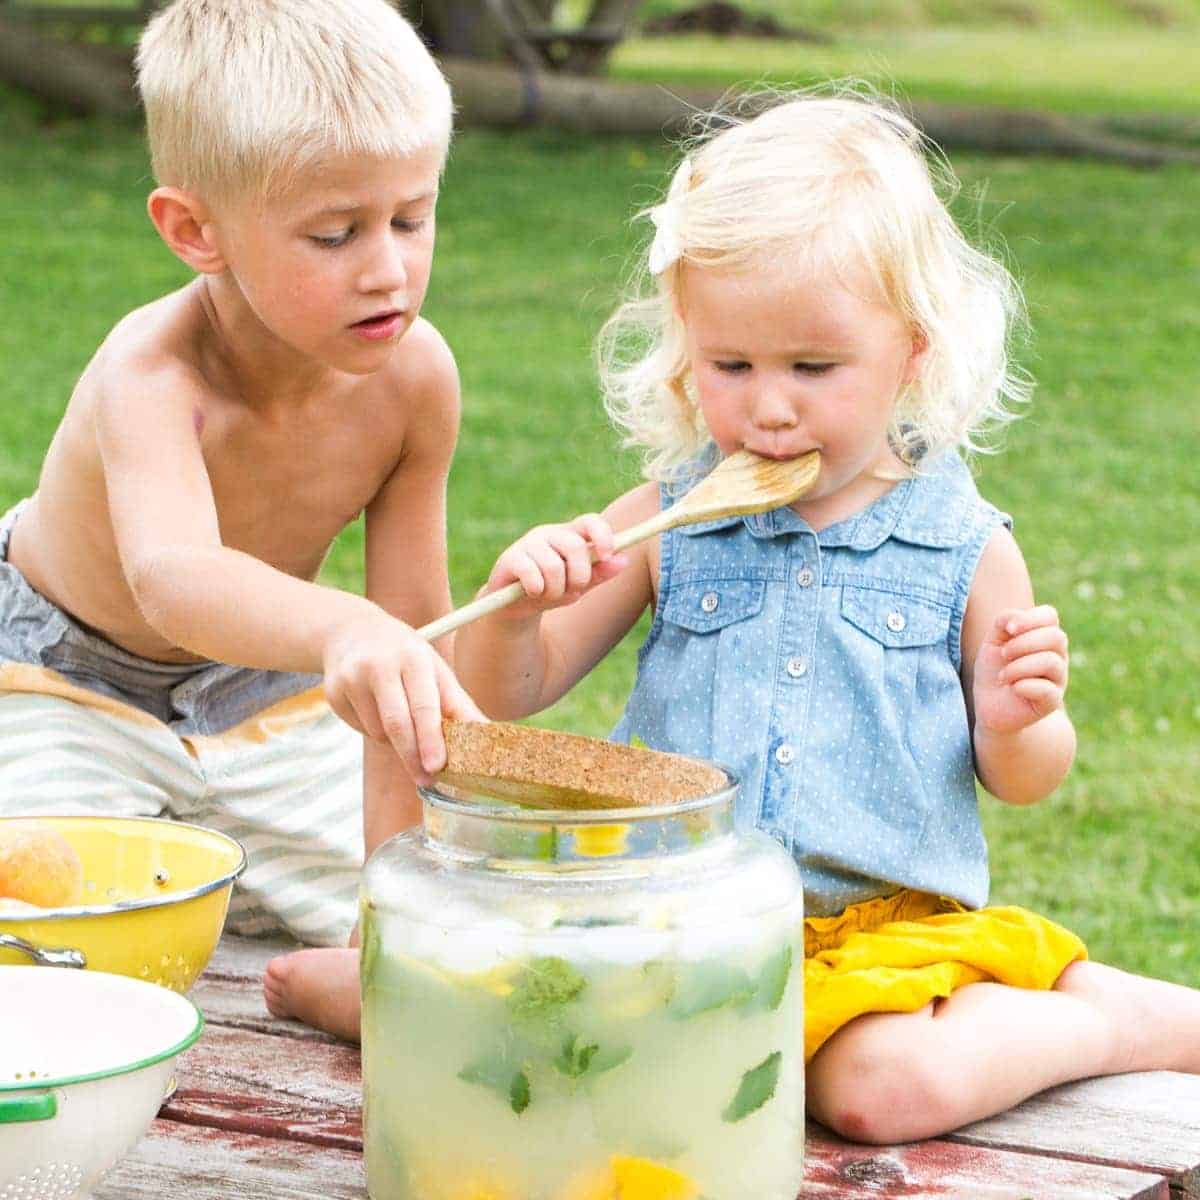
{"x": 406, "y": 572}
{"x": 228, "y": 606}
{"x": 1014, "y": 670}
{"x": 522, "y": 659}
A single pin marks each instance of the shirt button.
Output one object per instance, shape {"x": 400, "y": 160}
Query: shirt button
{"x": 709, "y": 601}
{"x": 784, "y": 755}
{"x": 797, "y": 666}
{"x": 896, "y": 621}
{"x": 804, "y": 577}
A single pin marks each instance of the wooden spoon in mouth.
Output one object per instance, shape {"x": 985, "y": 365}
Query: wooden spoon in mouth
{"x": 737, "y": 486}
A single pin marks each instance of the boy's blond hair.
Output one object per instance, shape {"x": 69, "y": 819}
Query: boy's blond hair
{"x": 832, "y": 181}
{"x": 242, "y": 94}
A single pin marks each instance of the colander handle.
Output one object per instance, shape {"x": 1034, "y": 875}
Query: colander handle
{"x": 45, "y": 956}
{"x": 33, "y": 1106}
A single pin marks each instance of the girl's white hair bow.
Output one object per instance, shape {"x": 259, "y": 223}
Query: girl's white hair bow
{"x": 666, "y": 247}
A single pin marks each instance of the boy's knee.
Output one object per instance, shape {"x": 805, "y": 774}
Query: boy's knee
{"x": 869, "y": 1084}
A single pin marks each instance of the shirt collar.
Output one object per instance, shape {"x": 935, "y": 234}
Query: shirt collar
{"x": 864, "y": 531}
{"x": 935, "y": 520}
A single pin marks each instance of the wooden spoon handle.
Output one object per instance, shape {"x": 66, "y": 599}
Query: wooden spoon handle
{"x": 511, "y": 593}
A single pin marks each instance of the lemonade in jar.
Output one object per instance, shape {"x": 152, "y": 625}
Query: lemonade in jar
{"x": 582, "y": 1006}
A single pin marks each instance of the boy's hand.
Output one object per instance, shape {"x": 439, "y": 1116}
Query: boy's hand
{"x": 383, "y": 679}
{"x": 1021, "y": 670}
{"x": 556, "y": 564}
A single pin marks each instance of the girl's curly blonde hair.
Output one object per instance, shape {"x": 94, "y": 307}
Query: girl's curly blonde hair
{"x": 829, "y": 179}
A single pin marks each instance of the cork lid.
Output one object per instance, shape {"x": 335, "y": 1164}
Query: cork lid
{"x": 543, "y": 768}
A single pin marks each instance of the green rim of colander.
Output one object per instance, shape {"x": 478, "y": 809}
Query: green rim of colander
{"x": 41, "y": 1084}
{"x": 28, "y": 1108}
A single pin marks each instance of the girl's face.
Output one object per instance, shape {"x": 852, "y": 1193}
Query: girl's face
{"x": 785, "y": 364}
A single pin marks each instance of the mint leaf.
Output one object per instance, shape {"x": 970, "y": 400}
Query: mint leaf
{"x": 503, "y": 1076}
{"x": 756, "y": 1088}
{"x": 576, "y": 1056}
{"x": 606, "y": 1060}
{"x": 773, "y": 980}
{"x": 518, "y": 1093}
{"x": 544, "y": 986}
{"x": 704, "y": 987}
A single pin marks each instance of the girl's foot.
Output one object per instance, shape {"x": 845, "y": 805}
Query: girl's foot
{"x": 318, "y": 987}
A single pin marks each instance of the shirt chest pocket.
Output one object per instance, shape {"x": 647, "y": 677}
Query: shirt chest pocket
{"x": 707, "y": 607}
{"x": 897, "y": 645}
{"x": 897, "y": 622}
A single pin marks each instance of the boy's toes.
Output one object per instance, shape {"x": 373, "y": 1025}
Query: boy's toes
{"x": 318, "y": 987}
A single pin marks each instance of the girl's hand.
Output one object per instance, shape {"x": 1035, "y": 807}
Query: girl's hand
{"x": 1020, "y": 670}
{"x": 556, "y": 564}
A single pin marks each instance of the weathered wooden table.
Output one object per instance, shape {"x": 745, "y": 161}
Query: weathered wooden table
{"x": 271, "y": 1110}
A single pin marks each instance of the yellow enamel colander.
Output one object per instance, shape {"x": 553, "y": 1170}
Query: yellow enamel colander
{"x": 155, "y": 895}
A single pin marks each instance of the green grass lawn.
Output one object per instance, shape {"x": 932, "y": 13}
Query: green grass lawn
{"x": 1092, "y": 71}
{"x": 1101, "y": 473}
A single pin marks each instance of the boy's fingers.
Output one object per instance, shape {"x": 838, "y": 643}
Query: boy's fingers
{"x": 425, "y": 712}
{"x": 396, "y": 721}
{"x": 551, "y": 569}
{"x": 456, "y": 700}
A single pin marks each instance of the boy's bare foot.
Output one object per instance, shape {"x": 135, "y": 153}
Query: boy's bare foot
{"x": 318, "y": 987}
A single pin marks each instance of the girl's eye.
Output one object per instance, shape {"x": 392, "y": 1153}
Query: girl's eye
{"x": 332, "y": 240}
{"x": 732, "y": 368}
{"x": 814, "y": 368}
{"x": 409, "y": 225}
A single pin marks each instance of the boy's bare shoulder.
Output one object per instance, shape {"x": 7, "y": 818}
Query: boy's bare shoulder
{"x": 153, "y": 354}
{"x": 422, "y": 390}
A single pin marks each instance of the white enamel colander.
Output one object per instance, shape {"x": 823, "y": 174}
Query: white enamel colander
{"x": 86, "y": 1059}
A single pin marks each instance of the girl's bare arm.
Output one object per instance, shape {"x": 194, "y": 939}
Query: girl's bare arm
{"x": 520, "y": 660}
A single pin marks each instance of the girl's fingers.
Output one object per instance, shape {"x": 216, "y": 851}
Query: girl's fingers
{"x": 520, "y": 565}
{"x": 553, "y": 570}
{"x": 1021, "y": 620}
{"x": 1046, "y": 637}
{"x": 576, "y": 555}
{"x": 1043, "y": 665}
{"x": 1041, "y": 695}
{"x": 597, "y": 531}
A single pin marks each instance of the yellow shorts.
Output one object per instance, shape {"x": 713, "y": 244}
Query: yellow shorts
{"x": 897, "y": 953}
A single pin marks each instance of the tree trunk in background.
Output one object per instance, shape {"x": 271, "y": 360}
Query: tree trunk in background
{"x": 462, "y": 28}
{"x": 65, "y": 75}
{"x": 487, "y": 94}
{"x": 84, "y": 81}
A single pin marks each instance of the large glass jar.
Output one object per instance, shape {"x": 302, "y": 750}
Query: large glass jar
{"x": 582, "y": 1006}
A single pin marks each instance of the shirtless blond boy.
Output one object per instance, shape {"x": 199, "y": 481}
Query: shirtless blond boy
{"x": 161, "y": 632}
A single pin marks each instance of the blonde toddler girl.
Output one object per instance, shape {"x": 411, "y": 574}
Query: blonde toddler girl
{"x": 861, "y": 657}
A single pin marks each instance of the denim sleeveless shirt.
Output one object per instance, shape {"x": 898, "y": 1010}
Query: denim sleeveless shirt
{"x": 823, "y": 669}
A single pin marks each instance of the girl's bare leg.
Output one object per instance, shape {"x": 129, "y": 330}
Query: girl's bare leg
{"x": 896, "y": 1077}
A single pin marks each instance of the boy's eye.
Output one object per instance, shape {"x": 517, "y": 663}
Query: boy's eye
{"x": 732, "y": 367}
{"x": 815, "y": 368}
{"x": 408, "y": 224}
{"x": 332, "y": 239}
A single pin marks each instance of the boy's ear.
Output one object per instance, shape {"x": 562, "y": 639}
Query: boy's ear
{"x": 184, "y": 223}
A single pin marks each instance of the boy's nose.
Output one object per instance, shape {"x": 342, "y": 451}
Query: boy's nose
{"x": 384, "y": 270}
